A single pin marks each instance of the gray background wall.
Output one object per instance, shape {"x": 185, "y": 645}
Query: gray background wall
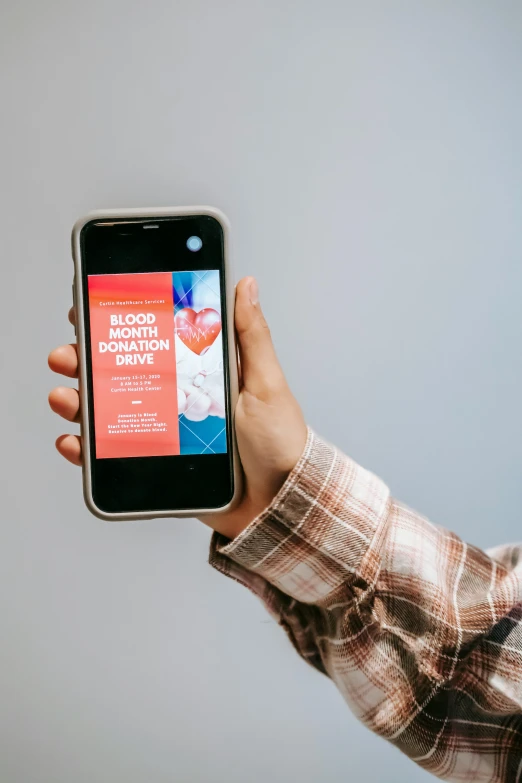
{"x": 369, "y": 157}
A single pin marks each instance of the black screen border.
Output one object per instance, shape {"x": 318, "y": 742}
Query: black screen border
{"x": 137, "y": 485}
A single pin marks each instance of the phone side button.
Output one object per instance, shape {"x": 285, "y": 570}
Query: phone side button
{"x": 74, "y": 305}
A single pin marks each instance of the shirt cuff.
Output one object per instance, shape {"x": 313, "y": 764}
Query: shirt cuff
{"x": 314, "y": 535}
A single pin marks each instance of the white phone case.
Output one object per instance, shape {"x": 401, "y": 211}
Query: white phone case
{"x": 82, "y": 359}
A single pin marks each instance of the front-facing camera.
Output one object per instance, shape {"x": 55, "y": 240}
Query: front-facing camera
{"x": 194, "y": 244}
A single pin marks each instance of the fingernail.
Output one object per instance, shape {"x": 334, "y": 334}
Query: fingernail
{"x": 254, "y": 292}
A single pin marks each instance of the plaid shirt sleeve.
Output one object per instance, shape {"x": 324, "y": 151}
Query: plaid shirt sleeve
{"x": 421, "y": 632}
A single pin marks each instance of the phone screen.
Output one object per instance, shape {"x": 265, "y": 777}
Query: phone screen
{"x": 156, "y": 344}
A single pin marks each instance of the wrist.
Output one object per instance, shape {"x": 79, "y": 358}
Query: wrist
{"x": 232, "y": 523}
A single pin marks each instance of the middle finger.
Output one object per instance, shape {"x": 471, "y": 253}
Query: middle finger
{"x": 66, "y": 403}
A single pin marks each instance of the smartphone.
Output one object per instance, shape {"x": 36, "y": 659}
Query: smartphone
{"x": 157, "y": 362}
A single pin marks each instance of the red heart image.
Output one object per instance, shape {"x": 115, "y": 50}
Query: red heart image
{"x": 197, "y": 330}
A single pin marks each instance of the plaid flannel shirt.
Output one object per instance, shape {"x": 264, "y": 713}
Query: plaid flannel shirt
{"x": 421, "y": 632}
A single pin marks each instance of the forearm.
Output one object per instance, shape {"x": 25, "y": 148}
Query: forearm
{"x": 408, "y": 620}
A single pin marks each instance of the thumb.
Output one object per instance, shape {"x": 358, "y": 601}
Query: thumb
{"x": 261, "y": 372}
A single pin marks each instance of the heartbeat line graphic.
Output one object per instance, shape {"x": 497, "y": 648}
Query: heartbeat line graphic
{"x": 192, "y": 332}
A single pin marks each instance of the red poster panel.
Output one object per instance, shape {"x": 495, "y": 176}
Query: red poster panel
{"x": 134, "y": 365}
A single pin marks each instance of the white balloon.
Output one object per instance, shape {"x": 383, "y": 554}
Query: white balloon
{"x": 197, "y": 407}
{"x": 185, "y": 384}
{"x": 216, "y": 393}
{"x": 182, "y": 401}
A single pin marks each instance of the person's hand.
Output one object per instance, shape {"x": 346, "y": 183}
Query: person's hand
{"x": 270, "y": 427}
